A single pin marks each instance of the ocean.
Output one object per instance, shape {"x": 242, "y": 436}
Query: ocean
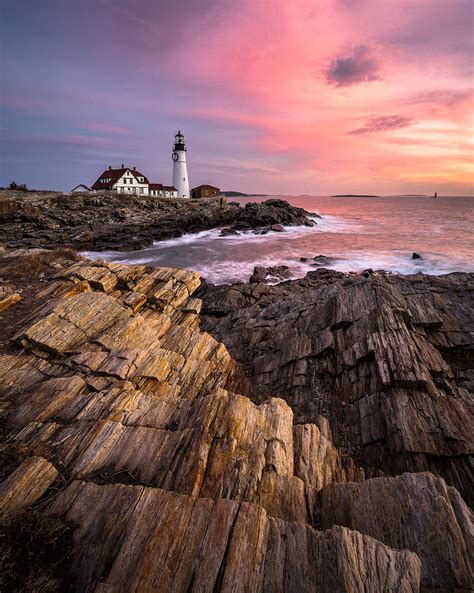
{"x": 356, "y": 233}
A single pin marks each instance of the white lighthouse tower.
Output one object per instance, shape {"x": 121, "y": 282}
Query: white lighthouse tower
{"x": 180, "y": 171}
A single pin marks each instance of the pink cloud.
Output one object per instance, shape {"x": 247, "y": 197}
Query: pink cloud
{"x": 256, "y": 74}
{"x": 383, "y": 123}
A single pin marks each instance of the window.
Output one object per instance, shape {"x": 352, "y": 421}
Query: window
{"x": 141, "y": 190}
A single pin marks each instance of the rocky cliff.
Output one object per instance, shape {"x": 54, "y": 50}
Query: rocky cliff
{"x": 387, "y": 359}
{"x": 126, "y": 422}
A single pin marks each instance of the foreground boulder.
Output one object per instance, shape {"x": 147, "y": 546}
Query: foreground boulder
{"x": 169, "y": 476}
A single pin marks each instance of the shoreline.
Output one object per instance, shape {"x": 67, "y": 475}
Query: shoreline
{"x": 111, "y": 221}
{"x": 297, "y": 266}
{"x": 144, "y": 230}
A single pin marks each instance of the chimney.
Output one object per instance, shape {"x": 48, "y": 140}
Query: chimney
{"x": 110, "y": 167}
{"x": 134, "y": 168}
{"x": 123, "y": 166}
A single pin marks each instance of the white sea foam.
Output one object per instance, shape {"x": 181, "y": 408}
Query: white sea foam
{"x": 247, "y": 236}
{"x": 371, "y": 238}
{"x": 337, "y": 224}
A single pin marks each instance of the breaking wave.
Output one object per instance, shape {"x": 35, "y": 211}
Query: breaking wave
{"x": 378, "y": 235}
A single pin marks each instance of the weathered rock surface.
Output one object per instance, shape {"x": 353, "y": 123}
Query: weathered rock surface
{"x": 26, "y": 484}
{"x": 414, "y": 511}
{"x": 273, "y": 215}
{"x": 154, "y": 540}
{"x": 172, "y": 477}
{"x": 108, "y": 341}
{"x": 388, "y": 359}
{"x": 112, "y": 221}
{"x": 270, "y": 274}
{"x": 8, "y": 298}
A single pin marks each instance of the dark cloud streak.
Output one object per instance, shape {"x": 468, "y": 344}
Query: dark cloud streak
{"x": 361, "y": 66}
{"x": 383, "y": 124}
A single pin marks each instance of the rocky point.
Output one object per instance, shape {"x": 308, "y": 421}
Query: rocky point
{"x": 106, "y": 221}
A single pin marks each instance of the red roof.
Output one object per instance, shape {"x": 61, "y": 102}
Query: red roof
{"x": 170, "y": 188}
{"x": 205, "y": 186}
{"x": 158, "y": 186}
{"x": 114, "y": 175}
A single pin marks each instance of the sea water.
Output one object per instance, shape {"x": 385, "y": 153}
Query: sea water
{"x": 356, "y": 233}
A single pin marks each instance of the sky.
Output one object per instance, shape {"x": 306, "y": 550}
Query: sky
{"x": 273, "y": 96}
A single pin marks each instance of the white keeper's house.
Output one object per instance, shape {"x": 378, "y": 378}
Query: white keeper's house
{"x": 127, "y": 180}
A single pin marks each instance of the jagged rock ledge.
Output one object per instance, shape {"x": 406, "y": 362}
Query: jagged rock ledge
{"x": 139, "y": 430}
{"x": 387, "y": 358}
{"x": 123, "y": 222}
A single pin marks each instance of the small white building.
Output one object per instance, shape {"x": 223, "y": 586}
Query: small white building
{"x": 81, "y": 189}
{"x": 157, "y": 190}
{"x": 170, "y": 191}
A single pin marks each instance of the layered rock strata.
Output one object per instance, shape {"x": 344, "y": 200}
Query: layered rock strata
{"x": 388, "y": 359}
{"x": 156, "y": 540}
{"x": 173, "y": 479}
{"x": 414, "y": 511}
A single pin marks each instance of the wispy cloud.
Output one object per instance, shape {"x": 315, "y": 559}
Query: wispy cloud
{"x": 383, "y": 123}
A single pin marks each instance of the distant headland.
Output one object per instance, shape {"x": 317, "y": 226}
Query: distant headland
{"x": 354, "y": 196}
{"x": 239, "y": 194}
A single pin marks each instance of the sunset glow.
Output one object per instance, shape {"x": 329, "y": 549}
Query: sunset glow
{"x": 274, "y": 96}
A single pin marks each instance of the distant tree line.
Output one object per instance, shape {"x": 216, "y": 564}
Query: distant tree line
{"x": 18, "y": 186}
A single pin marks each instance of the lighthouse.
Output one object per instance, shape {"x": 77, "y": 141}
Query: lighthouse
{"x": 180, "y": 171}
